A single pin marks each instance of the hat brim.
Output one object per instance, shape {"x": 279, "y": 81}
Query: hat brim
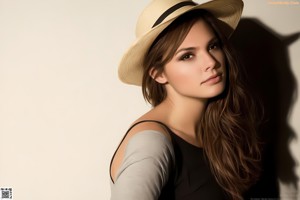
{"x": 131, "y": 66}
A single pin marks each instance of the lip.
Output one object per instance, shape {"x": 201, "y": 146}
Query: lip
{"x": 215, "y": 78}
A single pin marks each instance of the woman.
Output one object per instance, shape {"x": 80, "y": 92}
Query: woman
{"x": 199, "y": 140}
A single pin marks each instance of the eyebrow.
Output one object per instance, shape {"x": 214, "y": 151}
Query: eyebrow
{"x": 185, "y": 49}
{"x": 212, "y": 40}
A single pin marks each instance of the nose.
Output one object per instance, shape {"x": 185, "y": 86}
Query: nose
{"x": 208, "y": 62}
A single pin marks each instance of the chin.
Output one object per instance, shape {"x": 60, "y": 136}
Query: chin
{"x": 215, "y": 92}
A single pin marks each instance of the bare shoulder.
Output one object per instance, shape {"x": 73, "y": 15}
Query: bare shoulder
{"x": 139, "y": 126}
{"x": 153, "y": 120}
{"x": 144, "y": 125}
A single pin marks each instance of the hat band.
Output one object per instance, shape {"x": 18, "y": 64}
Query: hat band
{"x": 172, "y": 9}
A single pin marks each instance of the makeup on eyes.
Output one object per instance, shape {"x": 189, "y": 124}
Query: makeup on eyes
{"x": 214, "y": 42}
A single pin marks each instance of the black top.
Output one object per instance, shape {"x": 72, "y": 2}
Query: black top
{"x": 191, "y": 178}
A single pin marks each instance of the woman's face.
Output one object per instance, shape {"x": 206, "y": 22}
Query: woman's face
{"x": 197, "y": 70}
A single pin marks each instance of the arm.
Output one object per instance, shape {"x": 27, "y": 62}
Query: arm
{"x": 148, "y": 159}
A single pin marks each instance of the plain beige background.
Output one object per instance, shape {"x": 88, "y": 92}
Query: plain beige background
{"x": 62, "y": 108}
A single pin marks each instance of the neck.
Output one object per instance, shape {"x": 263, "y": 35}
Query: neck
{"x": 184, "y": 114}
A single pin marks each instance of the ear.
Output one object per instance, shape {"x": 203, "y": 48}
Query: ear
{"x": 158, "y": 77}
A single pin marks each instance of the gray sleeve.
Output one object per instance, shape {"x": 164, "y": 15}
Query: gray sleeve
{"x": 149, "y": 156}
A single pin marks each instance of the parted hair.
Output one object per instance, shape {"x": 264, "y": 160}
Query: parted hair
{"x": 228, "y": 126}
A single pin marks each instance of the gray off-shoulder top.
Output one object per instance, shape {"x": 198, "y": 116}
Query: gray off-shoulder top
{"x": 145, "y": 169}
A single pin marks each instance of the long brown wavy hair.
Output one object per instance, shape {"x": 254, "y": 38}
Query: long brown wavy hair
{"x": 228, "y": 126}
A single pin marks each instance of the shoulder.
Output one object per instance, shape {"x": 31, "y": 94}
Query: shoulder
{"x": 149, "y": 146}
{"x": 144, "y": 140}
{"x": 147, "y": 161}
{"x": 148, "y": 125}
{"x": 148, "y": 138}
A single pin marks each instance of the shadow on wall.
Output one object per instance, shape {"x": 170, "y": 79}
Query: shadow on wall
{"x": 265, "y": 57}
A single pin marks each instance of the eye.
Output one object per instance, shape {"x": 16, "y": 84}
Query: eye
{"x": 186, "y": 56}
{"x": 213, "y": 46}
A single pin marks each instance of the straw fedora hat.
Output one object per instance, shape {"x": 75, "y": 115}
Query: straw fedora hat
{"x": 157, "y": 16}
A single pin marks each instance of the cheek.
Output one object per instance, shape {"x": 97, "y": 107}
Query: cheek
{"x": 224, "y": 65}
{"x": 220, "y": 57}
{"x": 180, "y": 74}
{"x": 223, "y": 62}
